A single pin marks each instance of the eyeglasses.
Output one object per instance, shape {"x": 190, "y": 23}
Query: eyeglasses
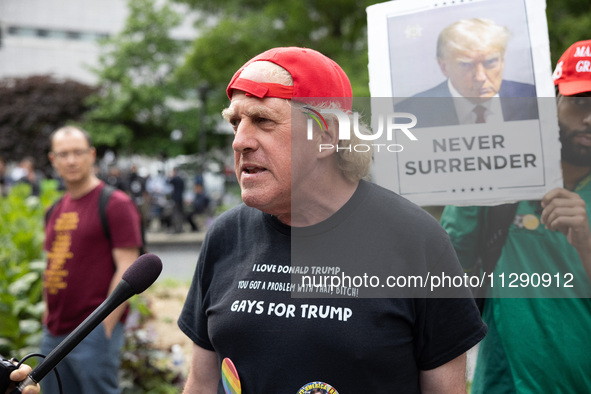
{"x": 77, "y": 153}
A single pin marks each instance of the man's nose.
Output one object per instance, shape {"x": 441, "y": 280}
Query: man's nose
{"x": 70, "y": 157}
{"x": 245, "y": 137}
{"x": 479, "y": 72}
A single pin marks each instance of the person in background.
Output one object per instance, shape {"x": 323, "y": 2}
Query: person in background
{"x": 136, "y": 185}
{"x": 178, "y": 190}
{"x": 538, "y": 344}
{"x": 199, "y": 204}
{"x": 4, "y": 178}
{"x": 30, "y": 175}
{"x": 158, "y": 189}
{"x": 84, "y": 265}
{"x": 115, "y": 178}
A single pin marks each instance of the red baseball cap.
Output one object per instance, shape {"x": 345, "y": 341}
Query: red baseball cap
{"x": 314, "y": 75}
{"x": 573, "y": 70}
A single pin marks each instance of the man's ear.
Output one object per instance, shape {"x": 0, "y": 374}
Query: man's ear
{"x": 328, "y": 140}
{"x": 442, "y": 66}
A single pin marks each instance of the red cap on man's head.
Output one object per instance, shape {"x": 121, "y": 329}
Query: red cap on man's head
{"x": 573, "y": 70}
{"x": 314, "y": 75}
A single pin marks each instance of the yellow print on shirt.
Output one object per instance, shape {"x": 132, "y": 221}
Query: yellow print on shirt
{"x": 60, "y": 251}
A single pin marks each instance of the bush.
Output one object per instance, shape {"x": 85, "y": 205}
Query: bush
{"x": 144, "y": 369}
{"x": 21, "y": 259}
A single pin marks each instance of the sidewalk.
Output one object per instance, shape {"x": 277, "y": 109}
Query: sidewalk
{"x": 159, "y": 237}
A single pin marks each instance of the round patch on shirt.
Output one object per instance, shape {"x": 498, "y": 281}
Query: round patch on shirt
{"x": 317, "y": 388}
{"x": 530, "y": 222}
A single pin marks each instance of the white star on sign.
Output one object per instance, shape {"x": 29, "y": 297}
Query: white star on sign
{"x": 413, "y": 31}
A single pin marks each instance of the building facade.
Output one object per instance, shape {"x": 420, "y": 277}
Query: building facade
{"x": 59, "y": 37}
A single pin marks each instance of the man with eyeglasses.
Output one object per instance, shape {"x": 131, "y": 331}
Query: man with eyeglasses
{"x": 84, "y": 266}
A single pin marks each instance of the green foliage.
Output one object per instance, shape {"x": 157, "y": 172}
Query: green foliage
{"x": 145, "y": 369}
{"x": 569, "y": 21}
{"x": 246, "y": 28}
{"x": 132, "y": 110}
{"x": 21, "y": 287}
{"x": 336, "y": 28}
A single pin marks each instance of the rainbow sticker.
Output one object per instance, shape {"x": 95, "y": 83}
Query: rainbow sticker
{"x": 230, "y": 378}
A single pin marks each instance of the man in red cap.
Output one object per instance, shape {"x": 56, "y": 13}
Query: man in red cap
{"x": 308, "y": 211}
{"x": 538, "y": 339}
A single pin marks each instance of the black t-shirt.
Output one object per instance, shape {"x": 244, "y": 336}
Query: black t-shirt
{"x": 281, "y": 335}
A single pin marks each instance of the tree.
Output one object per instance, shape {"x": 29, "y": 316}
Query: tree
{"x": 31, "y": 108}
{"x": 232, "y": 31}
{"x": 569, "y": 21}
{"x": 132, "y": 110}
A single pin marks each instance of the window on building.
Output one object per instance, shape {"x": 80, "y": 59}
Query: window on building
{"x": 56, "y": 34}
{"x": 73, "y": 35}
{"x": 22, "y": 31}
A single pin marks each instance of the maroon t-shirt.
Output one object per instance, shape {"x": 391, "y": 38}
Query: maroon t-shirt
{"x": 80, "y": 263}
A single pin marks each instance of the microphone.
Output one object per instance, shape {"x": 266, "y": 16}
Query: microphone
{"x": 137, "y": 278}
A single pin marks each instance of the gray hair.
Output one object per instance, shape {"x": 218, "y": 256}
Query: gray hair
{"x": 354, "y": 164}
{"x": 475, "y": 34}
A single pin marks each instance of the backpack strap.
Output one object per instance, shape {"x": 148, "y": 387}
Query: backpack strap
{"x": 104, "y": 197}
{"x": 50, "y": 210}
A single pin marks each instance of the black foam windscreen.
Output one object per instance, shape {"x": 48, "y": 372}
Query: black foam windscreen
{"x": 143, "y": 272}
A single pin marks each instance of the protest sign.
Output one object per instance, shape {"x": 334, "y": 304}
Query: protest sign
{"x": 439, "y": 60}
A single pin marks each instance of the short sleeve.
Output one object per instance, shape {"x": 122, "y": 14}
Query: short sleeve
{"x": 447, "y": 328}
{"x": 193, "y": 318}
{"x": 124, "y": 221}
{"x": 448, "y": 322}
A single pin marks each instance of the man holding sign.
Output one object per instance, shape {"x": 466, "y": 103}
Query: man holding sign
{"x": 538, "y": 305}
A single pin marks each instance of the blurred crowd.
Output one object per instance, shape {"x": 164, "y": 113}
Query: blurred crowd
{"x": 23, "y": 172}
{"x": 169, "y": 202}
